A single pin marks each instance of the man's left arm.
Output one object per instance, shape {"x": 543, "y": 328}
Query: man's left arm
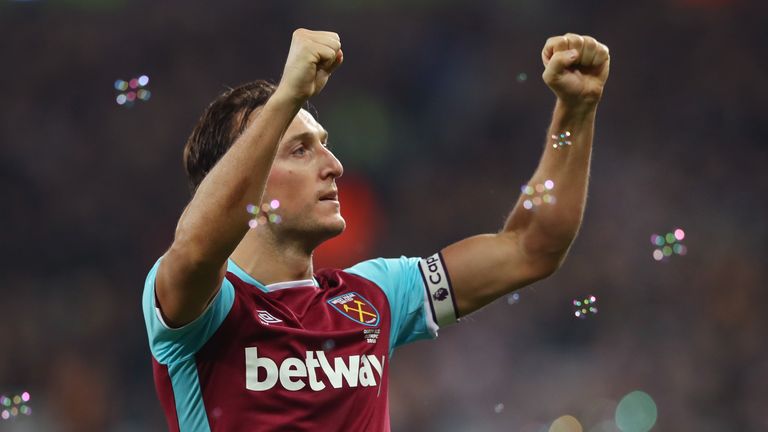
{"x": 544, "y": 222}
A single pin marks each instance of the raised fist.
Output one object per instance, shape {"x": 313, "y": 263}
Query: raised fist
{"x": 313, "y": 56}
{"x": 576, "y": 68}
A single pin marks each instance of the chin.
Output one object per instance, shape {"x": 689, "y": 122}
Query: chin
{"x": 326, "y": 229}
{"x": 337, "y": 227}
{"x": 316, "y": 231}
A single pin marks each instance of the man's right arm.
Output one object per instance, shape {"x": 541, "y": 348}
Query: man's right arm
{"x": 215, "y": 221}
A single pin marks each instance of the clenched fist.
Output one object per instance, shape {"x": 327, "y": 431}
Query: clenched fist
{"x": 576, "y": 68}
{"x": 313, "y": 56}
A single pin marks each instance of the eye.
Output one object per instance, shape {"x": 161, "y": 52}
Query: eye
{"x": 300, "y": 151}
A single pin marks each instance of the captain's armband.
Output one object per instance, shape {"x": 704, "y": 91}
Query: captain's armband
{"x": 440, "y": 296}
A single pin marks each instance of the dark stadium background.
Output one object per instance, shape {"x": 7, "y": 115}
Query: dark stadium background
{"x": 439, "y": 115}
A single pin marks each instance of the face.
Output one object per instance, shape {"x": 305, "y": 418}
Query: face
{"x": 303, "y": 180}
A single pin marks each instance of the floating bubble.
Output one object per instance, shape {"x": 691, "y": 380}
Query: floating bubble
{"x": 585, "y": 306}
{"x": 522, "y": 77}
{"x": 137, "y": 91}
{"x": 14, "y": 412}
{"x": 560, "y": 139}
{"x": 144, "y": 94}
{"x": 668, "y": 244}
{"x": 538, "y": 200}
{"x": 121, "y": 85}
{"x": 5, "y": 401}
{"x": 328, "y": 344}
{"x": 266, "y": 213}
{"x": 25, "y": 396}
{"x": 16, "y": 400}
{"x": 5, "y": 415}
{"x": 636, "y": 412}
{"x": 566, "y": 423}
{"x": 498, "y": 408}
{"x": 26, "y": 410}
{"x": 513, "y": 298}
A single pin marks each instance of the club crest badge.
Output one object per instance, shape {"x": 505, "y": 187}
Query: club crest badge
{"x": 355, "y": 307}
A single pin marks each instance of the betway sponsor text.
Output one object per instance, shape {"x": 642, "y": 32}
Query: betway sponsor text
{"x": 294, "y": 373}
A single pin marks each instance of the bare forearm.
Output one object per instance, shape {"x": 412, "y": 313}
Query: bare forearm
{"x": 548, "y": 219}
{"x": 538, "y": 232}
{"x": 215, "y": 221}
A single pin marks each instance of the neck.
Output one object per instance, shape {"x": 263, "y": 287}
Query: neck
{"x": 269, "y": 261}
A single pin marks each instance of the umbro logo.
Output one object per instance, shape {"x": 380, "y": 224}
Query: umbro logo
{"x": 267, "y": 318}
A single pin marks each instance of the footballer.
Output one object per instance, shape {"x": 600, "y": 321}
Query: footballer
{"x": 246, "y": 335}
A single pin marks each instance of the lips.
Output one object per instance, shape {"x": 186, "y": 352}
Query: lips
{"x": 330, "y": 196}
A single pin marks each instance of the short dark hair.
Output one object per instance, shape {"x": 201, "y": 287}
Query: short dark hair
{"x": 220, "y": 125}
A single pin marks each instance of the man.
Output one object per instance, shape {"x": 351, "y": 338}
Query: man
{"x": 246, "y": 335}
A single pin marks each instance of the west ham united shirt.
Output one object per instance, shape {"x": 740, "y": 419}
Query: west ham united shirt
{"x": 310, "y": 355}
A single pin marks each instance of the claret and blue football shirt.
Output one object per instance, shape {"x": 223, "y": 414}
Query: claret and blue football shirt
{"x": 301, "y": 355}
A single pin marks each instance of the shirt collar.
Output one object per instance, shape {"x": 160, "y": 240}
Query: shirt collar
{"x": 240, "y": 273}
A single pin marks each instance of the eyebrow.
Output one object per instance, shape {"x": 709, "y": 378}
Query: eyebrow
{"x": 305, "y": 135}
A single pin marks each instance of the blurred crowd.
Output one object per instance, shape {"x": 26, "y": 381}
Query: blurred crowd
{"x": 440, "y": 114}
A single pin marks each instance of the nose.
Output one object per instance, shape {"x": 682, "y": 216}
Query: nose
{"x": 332, "y": 166}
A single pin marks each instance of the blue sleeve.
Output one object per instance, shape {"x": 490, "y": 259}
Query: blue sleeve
{"x": 401, "y": 281}
{"x": 170, "y": 345}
